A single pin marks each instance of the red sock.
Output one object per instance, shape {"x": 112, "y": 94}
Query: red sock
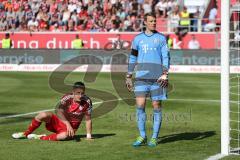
{"x": 34, "y": 125}
{"x": 51, "y": 137}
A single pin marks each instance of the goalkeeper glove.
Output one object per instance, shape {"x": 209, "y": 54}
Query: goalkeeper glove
{"x": 129, "y": 83}
{"x": 163, "y": 80}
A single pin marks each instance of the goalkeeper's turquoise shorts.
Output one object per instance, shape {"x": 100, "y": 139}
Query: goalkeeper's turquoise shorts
{"x": 150, "y": 87}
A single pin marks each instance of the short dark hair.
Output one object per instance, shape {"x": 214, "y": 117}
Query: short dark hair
{"x": 7, "y": 35}
{"x": 151, "y": 14}
{"x": 79, "y": 84}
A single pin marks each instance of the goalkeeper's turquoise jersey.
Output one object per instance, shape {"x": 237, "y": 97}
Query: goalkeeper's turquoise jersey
{"x": 151, "y": 54}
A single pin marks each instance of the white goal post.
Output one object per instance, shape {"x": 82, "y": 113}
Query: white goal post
{"x": 225, "y": 106}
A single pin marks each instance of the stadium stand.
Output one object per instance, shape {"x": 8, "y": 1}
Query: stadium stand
{"x": 106, "y": 15}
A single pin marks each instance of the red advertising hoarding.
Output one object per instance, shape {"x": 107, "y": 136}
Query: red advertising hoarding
{"x": 98, "y": 40}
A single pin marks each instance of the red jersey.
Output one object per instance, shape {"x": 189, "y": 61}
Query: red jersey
{"x": 74, "y": 111}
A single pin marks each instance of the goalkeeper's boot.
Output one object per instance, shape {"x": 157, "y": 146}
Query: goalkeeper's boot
{"x": 19, "y": 135}
{"x": 140, "y": 141}
{"x": 35, "y": 136}
{"x": 153, "y": 142}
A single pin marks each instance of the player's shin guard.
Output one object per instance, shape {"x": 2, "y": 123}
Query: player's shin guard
{"x": 157, "y": 121}
{"x": 51, "y": 137}
{"x": 32, "y": 127}
{"x": 141, "y": 120}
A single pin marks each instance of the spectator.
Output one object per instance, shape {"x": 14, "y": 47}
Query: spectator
{"x": 126, "y": 23}
{"x": 8, "y": 5}
{"x": 23, "y": 27}
{"x": 2, "y": 13}
{"x": 74, "y": 17}
{"x": 3, "y": 24}
{"x": 28, "y": 13}
{"x": 171, "y": 4}
{"x": 83, "y": 15}
{"x": 134, "y": 7}
{"x": 10, "y": 14}
{"x": 44, "y": 6}
{"x": 174, "y": 19}
{"x": 7, "y": 42}
{"x": 211, "y": 25}
{"x": 147, "y": 6}
{"x": 115, "y": 27}
{"x": 13, "y": 28}
{"x": 55, "y": 28}
{"x": 90, "y": 8}
{"x": 77, "y": 43}
{"x": 213, "y": 13}
{"x": 136, "y": 27}
{"x": 54, "y": 17}
{"x": 161, "y": 7}
{"x": 35, "y": 5}
{"x": 169, "y": 41}
{"x": 194, "y": 21}
{"x": 66, "y": 15}
{"x": 184, "y": 22}
{"x": 20, "y": 14}
{"x": 72, "y": 6}
{"x": 43, "y": 26}
{"x": 33, "y": 24}
{"x": 54, "y": 7}
{"x": 71, "y": 25}
{"x": 237, "y": 37}
{"x": 16, "y": 6}
{"x": 193, "y": 43}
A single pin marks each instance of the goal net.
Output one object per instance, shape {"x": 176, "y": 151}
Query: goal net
{"x": 234, "y": 109}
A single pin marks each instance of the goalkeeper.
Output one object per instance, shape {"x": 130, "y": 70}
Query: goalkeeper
{"x": 150, "y": 55}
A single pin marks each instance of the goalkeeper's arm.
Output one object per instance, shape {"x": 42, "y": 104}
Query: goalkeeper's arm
{"x": 163, "y": 79}
{"x": 131, "y": 65}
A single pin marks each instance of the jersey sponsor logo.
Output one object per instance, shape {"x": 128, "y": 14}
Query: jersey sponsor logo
{"x": 146, "y": 48}
{"x": 77, "y": 113}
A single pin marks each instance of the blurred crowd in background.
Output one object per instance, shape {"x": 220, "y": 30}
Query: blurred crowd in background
{"x": 89, "y": 15}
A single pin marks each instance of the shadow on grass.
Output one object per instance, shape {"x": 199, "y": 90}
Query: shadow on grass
{"x": 186, "y": 136}
{"x": 95, "y": 136}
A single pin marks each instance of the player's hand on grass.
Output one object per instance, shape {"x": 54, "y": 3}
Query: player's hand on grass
{"x": 70, "y": 131}
{"x": 129, "y": 83}
{"x": 163, "y": 80}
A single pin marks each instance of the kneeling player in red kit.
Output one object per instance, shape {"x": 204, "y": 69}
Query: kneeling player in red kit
{"x": 64, "y": 124}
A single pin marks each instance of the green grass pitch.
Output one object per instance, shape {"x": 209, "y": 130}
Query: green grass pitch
{"x": 190, "y": 128}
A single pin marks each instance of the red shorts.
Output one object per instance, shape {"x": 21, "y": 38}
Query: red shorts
{"x": 57, "y": 126}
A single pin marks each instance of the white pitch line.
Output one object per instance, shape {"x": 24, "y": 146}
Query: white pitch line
{"x": 184, "y": 100}
{"x": 194, "y": 100}
{"x": 216, "y": 157}
{"x": 31, "y": 113}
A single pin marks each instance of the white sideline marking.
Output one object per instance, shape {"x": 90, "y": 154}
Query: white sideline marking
{"x": 184, "y": 100}
{"x": 195, "y": 100}
{"x": 31, "y": 113}
{"x": 216, "y": 157}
